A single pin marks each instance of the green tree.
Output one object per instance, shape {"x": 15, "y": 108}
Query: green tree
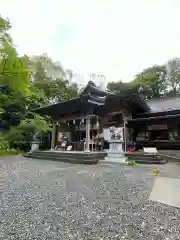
{"x": 18, "y": 97}
{"x": 22, "y": 135}
{"x": 18, "y": 121}
{"x": 14, "y": 73}
{"x": 173, "y": 76}
{"x": 69, "y": 74}
{"x": 43, "y": 67}
{"x": 119, "y": 87}
{"x": 51, "y": 78}
{"x": 4, "y": 27}
{"x": 61, "y": 90}
{"x": 152, "y": 81}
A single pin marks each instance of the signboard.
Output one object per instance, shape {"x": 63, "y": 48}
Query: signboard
{"x": 150, "y": 150}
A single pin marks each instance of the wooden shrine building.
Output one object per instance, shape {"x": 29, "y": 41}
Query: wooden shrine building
{"x": 148, "y": 123}
{"x": 160, "y": 126}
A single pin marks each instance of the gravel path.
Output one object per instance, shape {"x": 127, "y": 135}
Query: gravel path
{"x": 54, "y": 200}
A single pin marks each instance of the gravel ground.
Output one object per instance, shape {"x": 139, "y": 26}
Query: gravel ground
{"x": 54, "y": 200}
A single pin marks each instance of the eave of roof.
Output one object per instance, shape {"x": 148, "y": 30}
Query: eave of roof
{"x": 133, "y": 98}
{"x": 58, "y": 103}
{"x": 156, "y": 114}
{"x": 154, "y": 118}
{"x": 80, "y": 104}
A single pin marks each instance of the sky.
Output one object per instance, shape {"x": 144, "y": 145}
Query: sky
{"x": 115, "y": 38}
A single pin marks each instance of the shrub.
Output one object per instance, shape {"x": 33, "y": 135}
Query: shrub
{"x": 131, "y": 163}
{"x": 9, "y": 152}
{"x": 4, "y": 144}
{"x": 156, "y": 171}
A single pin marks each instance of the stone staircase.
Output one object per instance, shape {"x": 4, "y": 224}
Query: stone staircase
{"x": 146, "y": 158}
{"x": 72, "y": 157}
{"x": 95, "y": 157}
{"x": 115, "y": 157}
{"x": 171, "y": 155}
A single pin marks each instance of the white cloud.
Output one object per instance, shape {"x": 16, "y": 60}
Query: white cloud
{"x": 117, "y": 38}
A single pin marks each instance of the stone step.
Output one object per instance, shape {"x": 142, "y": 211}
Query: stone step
{"x": 151, "y": 161}
{"x": 59, "y": 157}
{"x": 172, "y": 158}
{"x": 146, "y": 158}
{"x": 90, "y": 158}
{"x": 72, "y": 160}
{"x": 69, "y": 154}
{"x": 144, "y": 155}
{"x": 115, "y": 155}
{"x": 117, "y": 160}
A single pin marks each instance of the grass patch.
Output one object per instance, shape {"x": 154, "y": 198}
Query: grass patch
{"x": 9, "y": 152}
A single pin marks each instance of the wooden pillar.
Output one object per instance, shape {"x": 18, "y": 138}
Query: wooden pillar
{"x": 125, "y": 132}
{"x": 87, "y": 133}
{"x": 53, "y": 136}
{"x": 101, "y": 125}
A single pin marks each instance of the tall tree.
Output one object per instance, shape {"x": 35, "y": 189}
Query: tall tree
{"x": 50, "y": 77}
{"x": 4, "y": 27}
{"x": 119, "y": 87}
{"x": 152, "y": 81}
{"x": 17, "y": 96}
{"x": 69, "y": 74}
{"x": 173, "y": 76}
{"x": 43, "y": 66}
{"x": 14, "y": 72}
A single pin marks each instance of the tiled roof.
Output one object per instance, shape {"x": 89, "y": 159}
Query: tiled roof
{"x": 93, "y": 89}
{"x": 164, "y": 104}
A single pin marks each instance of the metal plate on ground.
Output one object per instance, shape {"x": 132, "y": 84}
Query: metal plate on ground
{"x": 166, "y": 190}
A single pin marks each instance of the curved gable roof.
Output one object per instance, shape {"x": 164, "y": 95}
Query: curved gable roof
{"x": 91, "y": 88}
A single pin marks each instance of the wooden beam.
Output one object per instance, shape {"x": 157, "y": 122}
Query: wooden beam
{"x": 154, "y": 118}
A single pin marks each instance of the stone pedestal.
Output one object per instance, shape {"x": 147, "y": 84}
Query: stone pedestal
{"x": 115, "y": 152}
{"x": 34, "y": 146}
{"x": 115, "y": 146}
